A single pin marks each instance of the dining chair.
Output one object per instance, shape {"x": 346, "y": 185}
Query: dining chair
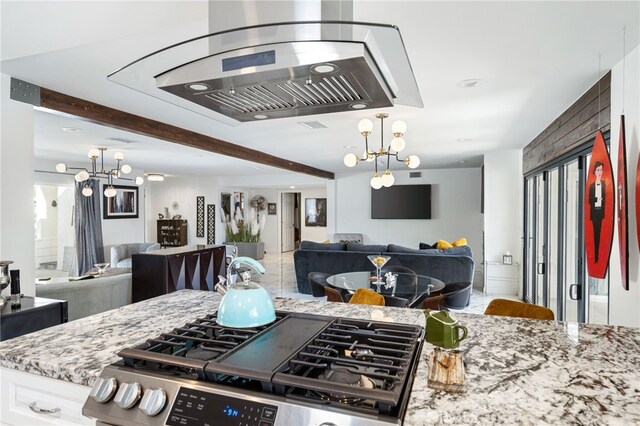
{"x": 457, "y": 295}
{"x": 333, "y": 294}
{"x": 407, "y": 284}
{"x": 366, "y": 296}
{"x": 513, "y": 308}
{"x": 397, "y": 302}
{"x": 317, "y": 282}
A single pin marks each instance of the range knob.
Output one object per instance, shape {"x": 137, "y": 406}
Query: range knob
{"x": 128, "y": 394}
{"x": 153, "y": 401}
{"x": 103, "y": 389}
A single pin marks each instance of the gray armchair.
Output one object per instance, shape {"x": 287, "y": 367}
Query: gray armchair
{"x": 121, "y": 254}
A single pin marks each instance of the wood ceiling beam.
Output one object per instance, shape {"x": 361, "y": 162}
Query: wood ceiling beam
{"x": 59, "y": 103}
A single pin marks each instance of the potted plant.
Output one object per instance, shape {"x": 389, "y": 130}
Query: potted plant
{"x": 245, "y": 234}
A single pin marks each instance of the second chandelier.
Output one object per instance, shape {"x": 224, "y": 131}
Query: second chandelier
{"x": 396, "y": 145}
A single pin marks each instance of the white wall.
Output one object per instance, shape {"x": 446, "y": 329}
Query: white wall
{"x": 313, "y": 233}
{"x": 16, "y": 187}
{"x": 183, "y": 191}
{"x": 455, "y": 210}
{"x": 503, "y": 204}
{"x": 623, "y": 304}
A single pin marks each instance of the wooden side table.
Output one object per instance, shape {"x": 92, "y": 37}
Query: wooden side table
{"x": 35, "y": 313}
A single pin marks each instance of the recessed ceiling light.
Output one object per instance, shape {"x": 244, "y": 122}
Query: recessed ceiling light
{"x": 323, "y": 68}
{"x": 71, "y": 129}
{"x": 349, "y": 146}
{"x": 357, "y": 106}
{"x": 260, "y": 116}
{"x": 462, "y": 161}
{"x": 198, "y": 87}
{"x": 463, "y": 140}
{"x": 292, "y": 187}
{"x": 470, "y": 83}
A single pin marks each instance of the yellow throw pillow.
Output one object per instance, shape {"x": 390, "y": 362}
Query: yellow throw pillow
{"x": 326, "y": 242}
{"x": 459, "y": 242}
{"x": 442, "y": 244}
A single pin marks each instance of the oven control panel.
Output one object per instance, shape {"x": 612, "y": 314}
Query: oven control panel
{"x": 196, "y": 408}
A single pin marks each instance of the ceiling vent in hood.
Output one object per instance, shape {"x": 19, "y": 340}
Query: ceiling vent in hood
{"x": 280, "y": 70}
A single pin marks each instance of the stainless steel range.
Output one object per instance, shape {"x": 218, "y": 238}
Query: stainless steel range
{"x": 301, "y": 369}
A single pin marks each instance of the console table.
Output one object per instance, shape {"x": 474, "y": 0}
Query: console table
{"x": 164, "y": 271}
{"x": 35, "y": 313}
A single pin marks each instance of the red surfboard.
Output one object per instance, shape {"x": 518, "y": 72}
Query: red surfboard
{"x": 623, "y": 231}
{"x": 599, "y": 209}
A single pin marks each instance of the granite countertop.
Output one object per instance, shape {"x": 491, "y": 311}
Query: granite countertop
{"x": 517, "y": 371}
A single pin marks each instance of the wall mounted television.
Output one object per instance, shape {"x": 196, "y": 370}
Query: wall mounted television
{"x": 401, "y": 202}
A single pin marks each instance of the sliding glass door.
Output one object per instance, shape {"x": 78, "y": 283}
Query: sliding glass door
{"x": 555, "y": 272}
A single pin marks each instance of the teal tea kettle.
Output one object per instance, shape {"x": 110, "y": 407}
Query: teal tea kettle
{"x": 244, "y": 304}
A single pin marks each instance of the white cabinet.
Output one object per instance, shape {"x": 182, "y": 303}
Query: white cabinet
{"x": 501, "y": 278}
{"x": 53, "y": 402}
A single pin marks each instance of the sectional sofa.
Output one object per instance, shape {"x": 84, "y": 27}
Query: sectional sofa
{"x": 450, "y": 265}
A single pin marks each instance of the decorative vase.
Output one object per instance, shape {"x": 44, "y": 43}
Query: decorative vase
{"x": 252, "y": 250}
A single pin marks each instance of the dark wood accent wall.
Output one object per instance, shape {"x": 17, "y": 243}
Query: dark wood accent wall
{"x": 59, "y": 103}
{"x": 575, "y": 126}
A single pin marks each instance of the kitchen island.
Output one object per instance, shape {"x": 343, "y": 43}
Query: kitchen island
{"x": 518, "y": 371}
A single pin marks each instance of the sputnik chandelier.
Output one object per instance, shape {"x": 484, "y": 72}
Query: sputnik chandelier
{"x": 397, "y": 144}
{"x": 116, "y": 173}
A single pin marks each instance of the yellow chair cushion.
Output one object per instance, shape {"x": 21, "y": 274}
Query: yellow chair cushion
{"x": 442, "y": 245}
{"x": 459, "y": 242}
{"x": 366, "y": 296}
{"x": 512, "y": 308}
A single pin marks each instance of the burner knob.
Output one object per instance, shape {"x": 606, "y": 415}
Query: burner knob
{"x": 153, "y": 401}
{"x": 103, "y": 389}
{"x": 128, "y": 394}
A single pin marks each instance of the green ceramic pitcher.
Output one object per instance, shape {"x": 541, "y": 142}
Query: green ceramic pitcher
{"x": 443, "y": 330}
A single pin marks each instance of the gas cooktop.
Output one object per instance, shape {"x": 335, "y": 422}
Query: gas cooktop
{"x": 301, "y": 369}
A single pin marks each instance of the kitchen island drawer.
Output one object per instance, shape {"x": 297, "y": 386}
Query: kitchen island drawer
{"x": 28, "y": 399}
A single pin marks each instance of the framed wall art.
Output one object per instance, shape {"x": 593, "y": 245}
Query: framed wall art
{"x": 315, "y": 211}
{"x": 124, "y": 205}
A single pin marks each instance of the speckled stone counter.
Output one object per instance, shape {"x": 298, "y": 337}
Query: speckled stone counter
{"x": 518, "y": 371}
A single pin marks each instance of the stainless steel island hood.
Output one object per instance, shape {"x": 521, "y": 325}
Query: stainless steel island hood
{"x": 280, "y": 69}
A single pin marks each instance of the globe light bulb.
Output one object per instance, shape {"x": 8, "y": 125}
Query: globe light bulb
{"x": 118, "y": 156}
{"x": 399, "y": 127}
{"x": 397, "y": 144}
{"x": 376, "y": 181}
{"x": 61, "y": 167}
{"x": 110, "y": 192}
{"x": 87, "y": 192}
{"x": 412, "y": 161}
{"x": 126, "y": 169}
{"x": 93, "y": 153}
{"x": 139, "y": 180}
{"x": 387, "y": 179}
{"x": 81, "y": 176}
{"x": 365, "y": 126}
{"x": 351, "y": 160}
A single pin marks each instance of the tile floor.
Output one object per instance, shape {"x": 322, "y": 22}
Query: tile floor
{"x": 280, "y": 280}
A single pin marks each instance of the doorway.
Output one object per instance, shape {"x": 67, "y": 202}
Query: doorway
{"x": 290, "y": 221}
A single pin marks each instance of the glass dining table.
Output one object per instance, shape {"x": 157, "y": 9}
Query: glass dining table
{"x": 415, "y": 288}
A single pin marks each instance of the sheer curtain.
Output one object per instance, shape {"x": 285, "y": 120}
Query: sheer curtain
{"x": 88, "y": 226}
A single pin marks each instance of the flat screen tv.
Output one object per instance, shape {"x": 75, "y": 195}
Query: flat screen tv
{"x": 401, "y": 202}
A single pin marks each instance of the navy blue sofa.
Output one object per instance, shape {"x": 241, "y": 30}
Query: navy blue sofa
{"x": 450, "y": 265}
